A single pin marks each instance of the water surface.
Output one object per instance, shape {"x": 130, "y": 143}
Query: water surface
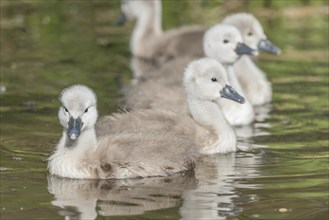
{"x": 46, "y": 46}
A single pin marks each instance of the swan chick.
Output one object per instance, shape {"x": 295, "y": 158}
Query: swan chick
{"x": 150, "y": 42}
{"x": 205, "y": 82}
{"x": 252, "y": 32}
{"x": 131, "y": 153}
{"x": 254, "y": 82}
{"x": 223, "y": 43}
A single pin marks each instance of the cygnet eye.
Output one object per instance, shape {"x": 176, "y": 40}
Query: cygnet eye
{"x": 249, "y": 33}
{"x": 225, "y": 41}
{"x": 214, "y": 79}
{"x": 65, "y": 109}
{"x": 86, "y": 110}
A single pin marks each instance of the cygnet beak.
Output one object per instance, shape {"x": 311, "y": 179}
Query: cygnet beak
{"x": 74, "y": 128}
{"x": 229, "y": 93}
{"x": 121, "y": 20}
{"x": 242, "y": 49}
{"x": 268, "y": 46}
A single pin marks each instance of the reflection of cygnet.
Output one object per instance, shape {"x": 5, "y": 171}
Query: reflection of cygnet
{"x": 214, "y": 192}
{"x": 2, "y": 89}
{"x": 218, "y": 187}
{"x": 74, "y": 197}
{"x": 86, "y": 199}
{"x": 141, "y": 195}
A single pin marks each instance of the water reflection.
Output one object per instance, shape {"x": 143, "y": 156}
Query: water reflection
{"x": 209, "y": 193}
{"x": 218, "y": 175}
{"x": 216, "y": 193}
{"x": 86, "y": 199}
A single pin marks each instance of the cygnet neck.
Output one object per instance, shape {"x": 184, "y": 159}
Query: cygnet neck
{"x": 72, "y": 158}
{"x": 209, "y": 115}
{"x": 147, "y": 29}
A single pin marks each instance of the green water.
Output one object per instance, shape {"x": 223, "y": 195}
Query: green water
{"x": 48, "y": 45}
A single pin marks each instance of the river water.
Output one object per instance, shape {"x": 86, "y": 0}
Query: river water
{"x": 48, "y": 45}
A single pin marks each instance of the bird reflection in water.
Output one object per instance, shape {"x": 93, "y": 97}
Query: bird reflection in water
{"x": 86, "y": 199}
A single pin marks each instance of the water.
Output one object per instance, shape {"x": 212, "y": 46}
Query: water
{"x": 48, "y": 46}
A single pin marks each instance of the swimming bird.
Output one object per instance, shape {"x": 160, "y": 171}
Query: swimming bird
{"x": 149, "y": 41}
{"x": 132, "y": 153}
{"x": 253, "y": 80}
{"x": 224, "y": 43}
{"x": 221, "y": 42}
{"x": 205, "y": 82}
{"x": 147, "y": 142}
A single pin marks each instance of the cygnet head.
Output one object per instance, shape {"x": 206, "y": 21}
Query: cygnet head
{"x": 224, "y": 43}
{"x": 133, "y": 9}
{"x": 206, "y": 79}
{"x": 252, "y": 32}
{"x": 78, "y": 111}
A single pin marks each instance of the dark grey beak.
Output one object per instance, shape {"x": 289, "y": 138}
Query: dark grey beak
{"x": 121, "y": 20}
{"x": 267, "y": 46}
{"x": 229, "y": 93}
{"x": 242, "y": 48}
{"x": 74, "y": 128}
